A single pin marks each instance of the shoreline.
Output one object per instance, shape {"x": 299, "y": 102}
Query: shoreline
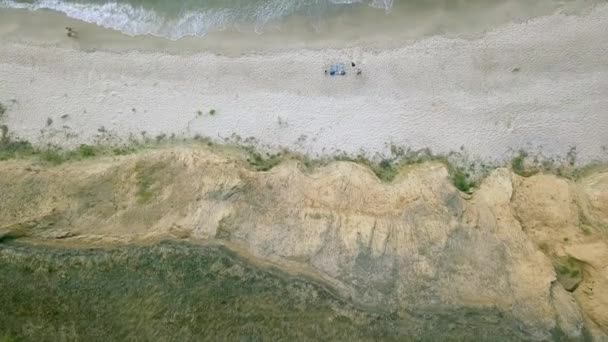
{"x": 402, "y": 24}
{"x": 512, "y": 88}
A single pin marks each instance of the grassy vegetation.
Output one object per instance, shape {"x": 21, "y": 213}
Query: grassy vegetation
{"x": 461, "y": 179}
{"x": 263, "y": 163}
{"x": 518, "y": 165}
{"x": 10, "y": 149}
{"x": 386, "y": 169}
{"x": 569, "y": 272}
{"x": 146, "y": 175}
{"x": 524, "y": 165}
{"x": 55, "y": 156}
{"x": 169, "y": 292}
{"x": 87, "y": 151}
{"x": 182, "y": 292}
{"x": 52, "y": 155}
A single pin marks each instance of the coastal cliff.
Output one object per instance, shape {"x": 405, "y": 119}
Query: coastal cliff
{"x": 520, "y": 258}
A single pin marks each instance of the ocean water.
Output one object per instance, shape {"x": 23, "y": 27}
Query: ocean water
{"x": 174, "y": 19}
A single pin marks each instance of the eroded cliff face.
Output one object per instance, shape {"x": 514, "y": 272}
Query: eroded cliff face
{"x": 531, "y": 252}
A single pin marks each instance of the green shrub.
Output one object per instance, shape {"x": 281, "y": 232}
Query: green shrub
{"x": 259, "y": 163}
{"x": 52, "y": 155}
{"x": 2, "y": 110}
{"x": 569, "y": 272}
{"x": 10, "y": 148}
{"x": 122, "y": 151}
{"x": 518, "y": 165}
{"x": 461, "y": 180}
{"x": 14, "y": 149}
{"x": 86, "y": 151}
{"x": 386, "y": 170}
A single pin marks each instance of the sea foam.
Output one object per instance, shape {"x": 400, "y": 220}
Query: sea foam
{"x": 138, "y": 20}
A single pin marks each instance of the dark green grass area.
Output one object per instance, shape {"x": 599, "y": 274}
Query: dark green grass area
{"x": 170, "y": 292}
{"x": 184, "y": 292}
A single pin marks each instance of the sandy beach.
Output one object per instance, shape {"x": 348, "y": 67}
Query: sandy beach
{"x": 539, "y": 85}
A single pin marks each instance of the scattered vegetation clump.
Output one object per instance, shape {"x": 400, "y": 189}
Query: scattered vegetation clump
{"x": 518, "y": 165}
{"x": 261, "y": 163}
{"x": 461, "y": 179}
{"x": 2, "y": 110}
{"x": 52, "y": 155}
{"x": 49, "y": 121}
{"x": 569, "y": 272}
{"x": 524, "y": 165}
{"x": 146, "y": 179}
{"x": 122, "y": 151}
{"x": 212, "y": 112}
{"x": 159, "y": 138}
{"x": 11, "y": 148}
{"x": 386, "y": 170}
{"x": 86, "y": 151}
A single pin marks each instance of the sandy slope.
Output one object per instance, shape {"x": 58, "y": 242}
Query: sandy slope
{"x": 541, "y": 85}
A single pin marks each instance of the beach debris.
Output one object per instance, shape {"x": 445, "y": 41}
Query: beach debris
{"x": 339, "y": 69}
{"x": 71, "y": 32}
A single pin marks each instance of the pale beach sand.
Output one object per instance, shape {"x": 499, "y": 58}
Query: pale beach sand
{"x": 539, "y": 85}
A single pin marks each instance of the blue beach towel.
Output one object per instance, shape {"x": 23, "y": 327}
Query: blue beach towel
{"x": 337, "y": 69}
